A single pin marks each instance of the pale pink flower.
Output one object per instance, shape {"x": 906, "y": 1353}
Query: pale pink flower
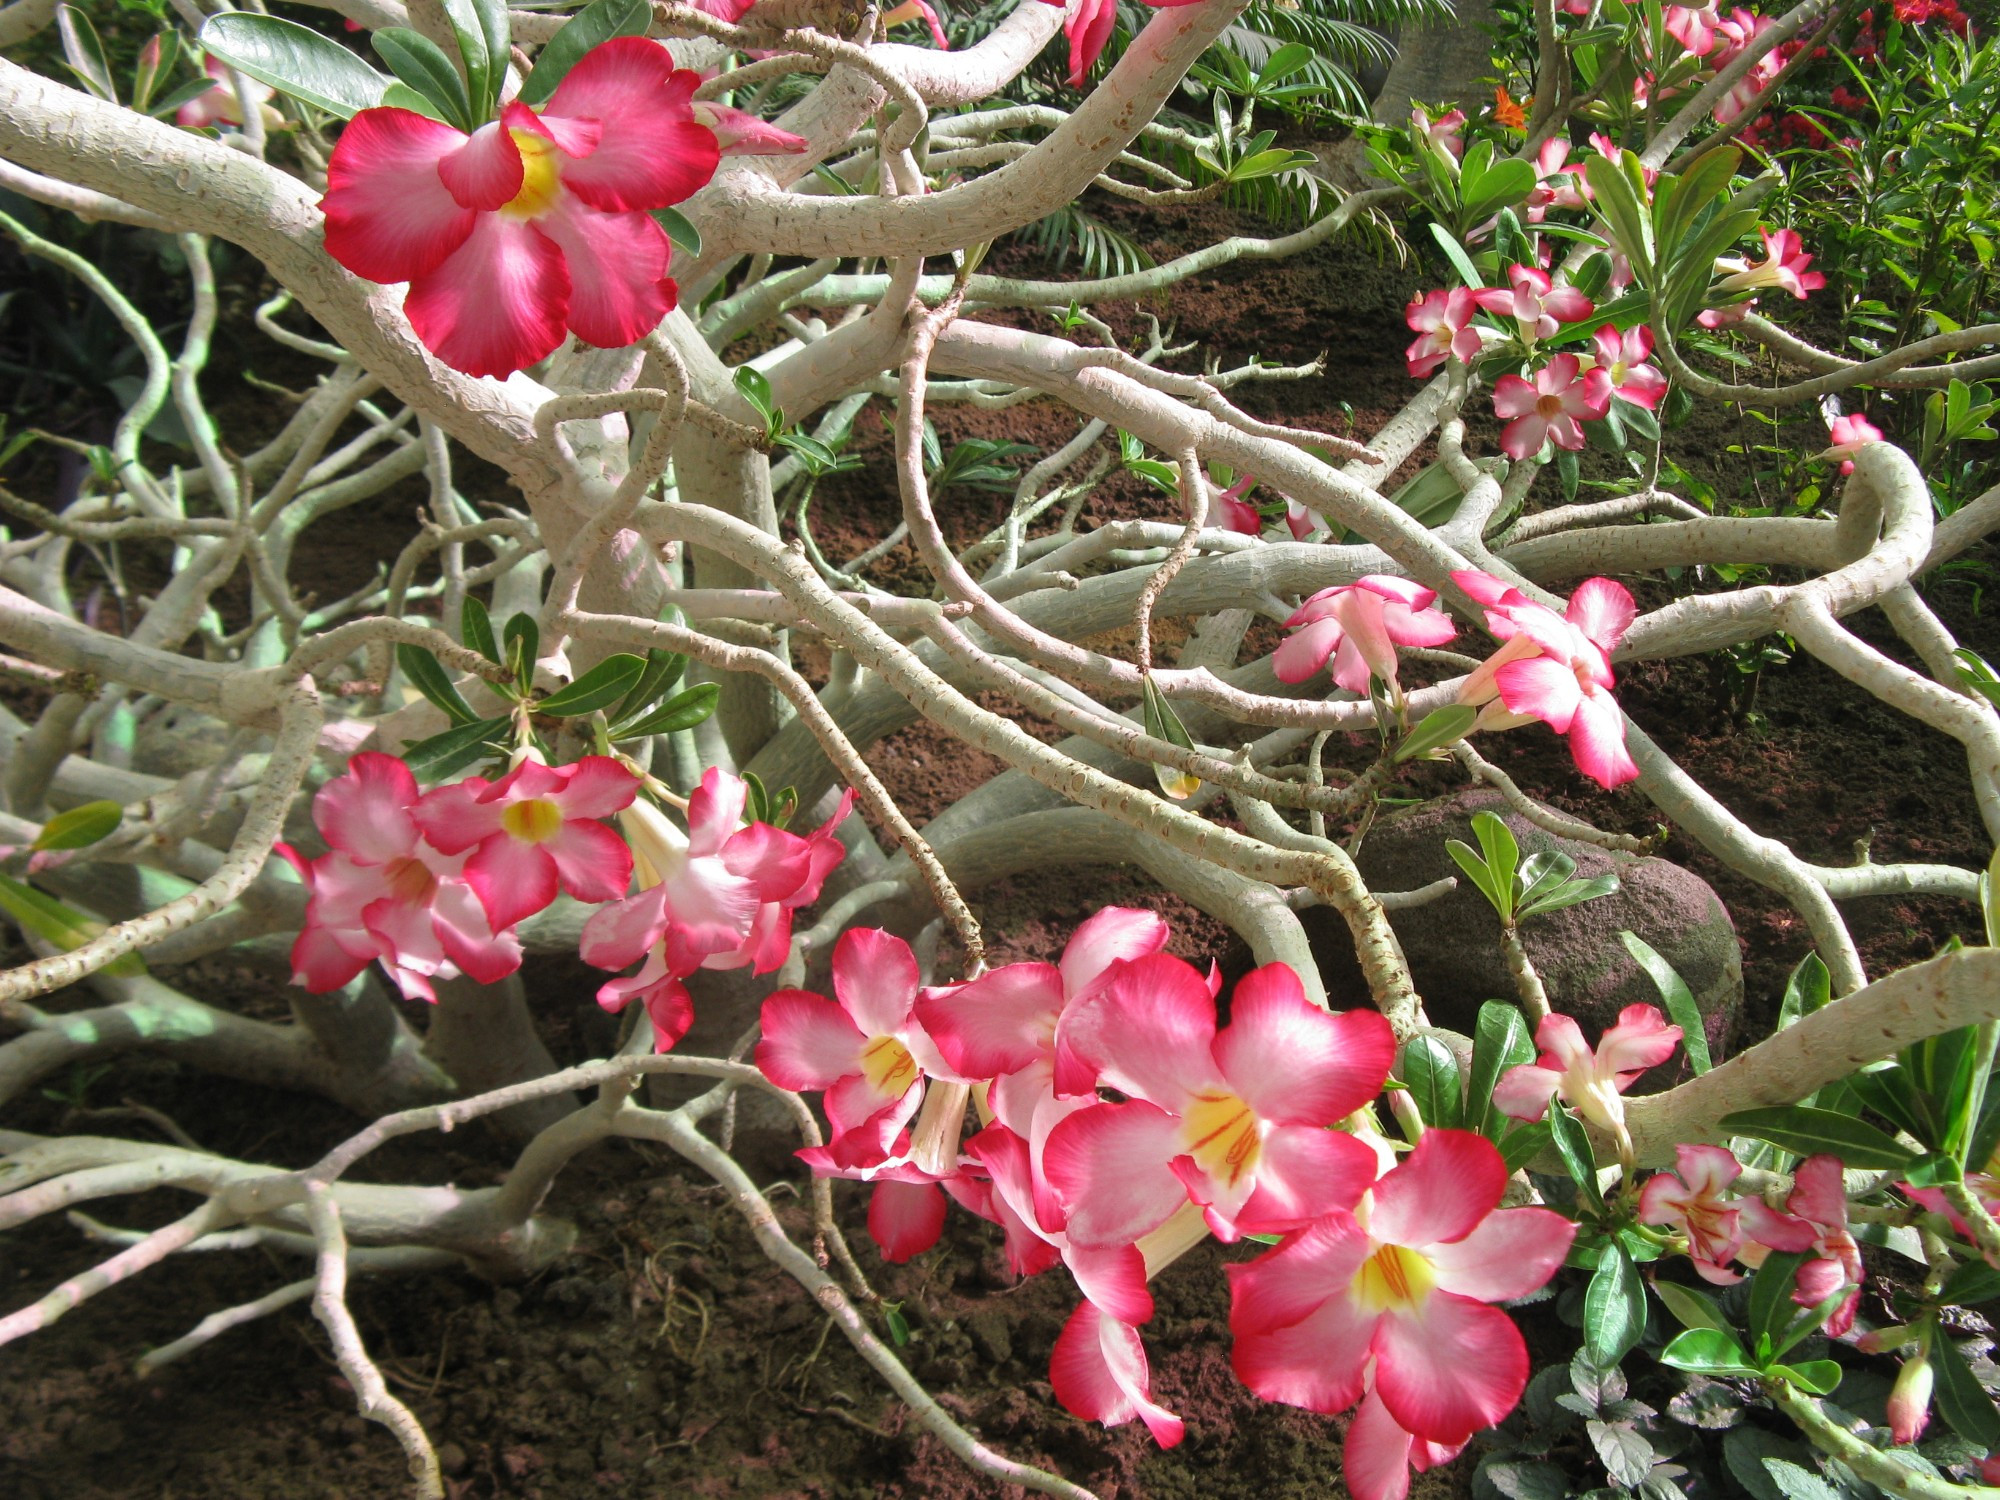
{"x": 1550, "y": 408}
{"x": 1088, "y": 25}
{"x": 1589, "y": 1082}
{"x": 1360, "y": 625}
{"x": 1784, "y": 266}
{"x": 1693, "y": 28}
{"x": 1694, "y": 1199}
{"x": 1622, "y": 358}
{"x": 1538, "y": 307}
{"x": 219, "y": 106}
{"x": 1442, "y": 319}
{"x": 739, "y": 133}
{"x": 1099, "y": 1373}
{"x": 1377, "y": 1453}
{"x": 1819, "y": 1197}
{"x": 1406, "y": 1280}
{"x": 534, "y": 832}
{"x": 1556, "y": 668}
{"x": 1234, "y": 513}
{"x": 1850, "y": 435}
{"x": 1910, "y": 1399}
{"x": 1444, "y": 135}
{"x": 1302, "y": 521}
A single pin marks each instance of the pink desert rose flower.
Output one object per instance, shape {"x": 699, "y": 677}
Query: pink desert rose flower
{"x": 1234, "y": 513}
{"x": 906, "y": 1212}
{"x": 1692, "y": 1199}
{"x": 1552, "y": 407}
{"x": 1622, "y": 358}
{"x": 534, "y": 832}
{"x": 918, "y": 10}
{"x": 1556, "y": 668}
{"x": 1589, "y": 1082}
{"x": 1910, "y": 1399}
{"x": 740, "y": 133}
{"x": 1850, "y": 435}
{"x": 1407, "y": 1279}
{"x": 1537, "y": 305}
{"x": 1088, "y": 25}
{"x": 1693, "y": 28}
{"x": 1443, "y": 321}
{"x": 1302, "y": 521}
{"x": 1377, "y": 1453}
{"x": 1819, "y": 1197}
{"x": 868, "y": 1051}
{"x": 1360, "y": 625}
{"x": 1444, "y": 135}
{"x": 533, "y": 226}
{"x": 219, "y": 106}
{"x": 1099, "y": 1372}
{"x": 1234, "y": 1120}
{"x": 1783, "y": 266}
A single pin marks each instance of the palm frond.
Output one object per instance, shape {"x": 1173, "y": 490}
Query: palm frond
{"x": 1099, "y": 249}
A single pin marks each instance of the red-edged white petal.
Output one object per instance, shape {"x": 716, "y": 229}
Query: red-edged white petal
{"x": 1300, "y": 655}
{"x": 1099, "y": 1373}
{"x": 623, "y": 932}
{"x": 808, "y": 1041}
{"x": 389, "y": 215}
{"x": 592, "y": 863}
{"x": 453, "y": 818}
{"x": 905, "y": 1218}
{"x": 595, "y": 787}
{"x": 512, "y": 879}
{"x": 485, "y": 173}
{"x": 1104, "y": 938}
{"x": 1304, "y": 1173}
{"x": 1318, "y": 1362}
{"x": 715, "y": 811}
{"x": 619, "y": 287}
{"x": 1417, "y": 627}
{"x": 1450, "y": 1367}
{"x": 711, "y": 910}
{"x": 652, "y": 152}
{"x": 774, "y": 861}
{"x": 1767, "y": 1226}
{"x": 1523, "y": 1093}
{"x": 1289, "y": 1284}
{"x": 1109, "y": 1165}
{"x": 324, "y": 960}
{"x": 1513, "y": 1252}
{"x": 1439, "y": 1192}
{"x": 1641, "y": 1039}
{"x": 1088, "y": 27}
{"x": 865, "y": 1124}
{"x": 669, "y": 1007}
{"x": 1818, "y": 1192}
{"x": 1541, "y": 686}
{"x": 498, "y": 304}
{"x": 468, "y": 939}
{"x": 1295, "y": 1063}
{"x": 1113, "y": 1277}
{"x": 876, "y": 977}
{"x": 366, "y": 813}
{"x": 1375, "y": 1453}
{"x": 997, "y": 1024}
{"x": 1597, "y": 740}
{"x": 1148, "y": 1030}
{"x": 1483, "y": 587}
{"x": 1603, "y": 610}
{"x": 739, "y": 133}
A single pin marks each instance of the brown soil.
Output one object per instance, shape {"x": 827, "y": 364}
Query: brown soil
{"x": 666, "y": 1357}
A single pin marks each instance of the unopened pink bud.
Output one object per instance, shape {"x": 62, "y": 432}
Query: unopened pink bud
{"x": 1910, "y": 1400}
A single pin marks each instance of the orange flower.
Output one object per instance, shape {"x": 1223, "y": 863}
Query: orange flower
{"x": 1506, "y": 112}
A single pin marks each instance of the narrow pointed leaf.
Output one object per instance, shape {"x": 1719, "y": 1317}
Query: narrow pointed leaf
{"x": 295, "y": 60}
{"x": 1804, "y": 1131}
{"x": 682, "y": 711}
{"x": 1674, "y": 993}
{"x": 80, "y": 826}
{"x": 600, "y": 687}
{"x": 597, "y": 22}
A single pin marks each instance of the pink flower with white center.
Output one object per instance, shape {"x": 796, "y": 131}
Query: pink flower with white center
{"x": 220, "y": 106}
{"x": 1551, "y": 408}
{"x": 1406, "y": 1281}
{"x": 1850, "y": 435}
{"x": 1377, "y": 1454}
{"x": 869, "y": 1052}
{"x": 1537, "y": 305}
{"x": 769, "y": 940}
{"x": 1819, "y": 1197}
{"x": 381, "y": 892}
{"x": 1590, "y": 1083}
{"x": 1556, "y": 668}
{"x": 1443, "y": 319}
{"x": 1099, "y": 1372}
{"x": 1234, "y": 513}
{"x": 1445, "y": 135}
{"x": 1088, "y": 25}
{"x": 1622, "y": 358}
{"x": 1693, "y": 28}
{"x": 1007, "y": 1026}
{"x": 1360, "y": 625}
{"x": 534, "y": 832}
{"x": 533, "y": 226}
{"x": 1716, "y": 1226}
{"x": 1234, "y": 1120}
{"x": 1784, "y": 266}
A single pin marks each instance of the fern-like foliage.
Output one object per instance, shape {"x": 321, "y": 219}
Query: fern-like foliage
{"x": 1099, "y": 249}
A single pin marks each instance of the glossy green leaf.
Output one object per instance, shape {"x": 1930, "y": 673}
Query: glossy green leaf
{"x": 1569, "y": 893}
{"x": 1614, "y": 1307}
{"x": 80, "y": 827}
{"x": 1572, "y": 1143}
{"x": 443, "y": 756}
{"x": 1816, "y": 1377}
{"x": 1440, "y": 727}
{"x": 682, "y": 711}
{"x": 680, "y": 229}
{"x": 1708, "y": 1351}
{"x": 1455, "y": 253}
{"x": 1770, "y": 1302}
{"x": 295, "y": 60}
{"x": 58, "y": 925}
{"x": 1499, "y": 1042}
{"x": 481, "y": 30}
{"x": 475, "y": 629}
{"x": 1694, "y": 1309}
{"x": 596, "y": 23}
{"x": 1675, "y": 995}
{"x": 600, "y": 687}
{"x": 1806, "y": 1131}
{"x": 1497, "y": 843}
{"x": 1961, "y": 1399}
{"x": 84, "y": 52}
{"x": 1523, "y": 1144}
{"x": 663, "y": 670}
{"x": 421, "y": 64}
{"x": 1430, "y": 1071}
{"x": 429, "y": 677}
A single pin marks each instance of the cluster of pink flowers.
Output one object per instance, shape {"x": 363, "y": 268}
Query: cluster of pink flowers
{"x": 1380, "y": 1290}
{"x": 433, "y": 885}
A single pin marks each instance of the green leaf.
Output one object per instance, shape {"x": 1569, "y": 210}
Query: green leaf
{"x": 84, "y": 52}
{"x": 80, "y": 826}
{"x": 295, "y": 60}
{"x": 1503, "y": 854}
{"x": 1674, "y": 992}
{"x": 59, "y": 925}
{"x": 1569, "y": 893}
{"x": 1573, "y": 1145}
{"x": 1622, "y": 210}
{"x": 1455, "y": 253}
{"x": 596, "y": 23}
{"x": 1770, "y": 1304}
{"x": 401, "y": 96}
{"x": 1678, "y": 201}
{"x": 1468, "y": 860}
{"x": 1430, "y": 1071}
{"x": 892, "y": 1312}
{"x": 1271, "y": 163}
{"x": 1961, "y": 1398}
{"x": 1522, "y": 1145}
{"x": 600, "y": 687}
{"x": 521, "y": 643}
{"x": 1614, "y": 1306}
{"x": 429, "y": 677}
{"x": 421, "y": 64}
{"x": 1499, "y": 1042}
{"x": 1816, "y": 1377}
{"x": 682, "y": 711}
{"x": 1440, "y": 727}
{"x": 1805, "y": 1131}
{"x": 445, "y": 755}
{"x": 1162, "y": 723}
{"x": 663, "y": 670}
{"x": 1708, "y": 1351}
{"x": 1808, "y": 988}
{"x": 475, "y": 629}
{"x": 1505, "y": 184}
{"x": 680, "y": 229}
{"x": 1974, "y": 1281}
{"x": 481, "y": 30}
{"x": 1694, "y": 1309}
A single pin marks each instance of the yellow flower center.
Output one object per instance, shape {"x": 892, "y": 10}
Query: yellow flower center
{"x": 887, "y": 1065}
{"x": 541, "y": 176}
{"x": 535, "y": 820}
{"x": 410, "y": 880}
{"x": 1393, "y": 1277}
{"x": 1222, "y": 1136}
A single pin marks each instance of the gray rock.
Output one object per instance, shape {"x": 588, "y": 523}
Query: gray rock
{"x": 1453, "y": 944}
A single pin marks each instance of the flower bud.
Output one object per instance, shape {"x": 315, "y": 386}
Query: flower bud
{"x": 1910, "y": 1400}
